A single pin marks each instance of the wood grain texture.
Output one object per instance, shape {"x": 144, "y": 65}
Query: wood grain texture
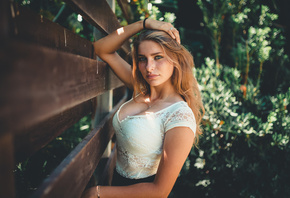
{"x": 38, "y": 136}
{"x": 5, "y": 18}
{"x": 33, "y": 28}
{"x": 37, "y": 83}
{"x": 6, "y": 166}
{"x": 71, "y": 176}
{"x": 99, "y": 14}
{"x": 108, "y": 172}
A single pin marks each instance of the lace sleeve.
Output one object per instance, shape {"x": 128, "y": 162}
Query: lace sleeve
{"x": 182, "y": 117}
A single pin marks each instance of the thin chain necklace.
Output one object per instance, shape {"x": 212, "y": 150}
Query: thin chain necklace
{"x": 147, "y": 102}
{"x": 150, "y": 104}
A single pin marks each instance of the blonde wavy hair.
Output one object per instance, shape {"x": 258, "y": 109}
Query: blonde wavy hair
{"x": 182, "y": 78}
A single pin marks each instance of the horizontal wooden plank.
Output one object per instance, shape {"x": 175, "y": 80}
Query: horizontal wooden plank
{"x": 96, "y": 12}
{"x": 37, "y": 83}
{"x": 31, "y": 140}
{"x": 36, "y": 137}
{"x": 71, "y": 176}
{"x": 33, "y": 28}
{"x": 99, "y": 14}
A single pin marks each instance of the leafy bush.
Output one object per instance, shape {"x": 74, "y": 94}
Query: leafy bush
{"x": 244, "y": 151}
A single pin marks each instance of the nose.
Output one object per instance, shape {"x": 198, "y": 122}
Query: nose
{"x": 150, "y": 65}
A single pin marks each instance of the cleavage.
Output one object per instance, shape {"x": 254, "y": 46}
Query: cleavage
{"x": 132, "y": 109}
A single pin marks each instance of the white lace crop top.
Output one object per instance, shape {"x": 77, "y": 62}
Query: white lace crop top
{"x": 139, "y": 138}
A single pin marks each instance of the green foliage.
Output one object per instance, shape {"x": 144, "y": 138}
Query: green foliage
{"x": 58, "y": 12}
{"x": 244, "y": 151}
{"x": 255, "y": 39}
{"x": 258, "y": 42}
{"x": 119, "y": 14}
{"x": 75, "y": 23}
{"x": 46, "y": 8}
{"x": 143, "y": 9}
{"x": 266, "y": 17}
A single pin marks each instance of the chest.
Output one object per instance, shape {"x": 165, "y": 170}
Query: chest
{"x": 142, "y": 133}
{"x": 140, "y": 108}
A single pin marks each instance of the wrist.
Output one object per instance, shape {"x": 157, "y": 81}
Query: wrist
{"x": 98, "y": 188}
{"x": 144, "y": 23}
{"x": 140, "y": 25}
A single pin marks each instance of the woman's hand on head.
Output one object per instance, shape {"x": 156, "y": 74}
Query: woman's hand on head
{"x": 164, "y": 26}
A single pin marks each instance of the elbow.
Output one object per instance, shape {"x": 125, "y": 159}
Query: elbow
{"x": 160, "y": 192}
{"x": 99, "y": 54}
{"x": 96, "y": 51}
{"x": 164, "y": 194}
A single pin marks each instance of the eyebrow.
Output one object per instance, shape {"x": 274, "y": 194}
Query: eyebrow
{"x": 155, "y": 53}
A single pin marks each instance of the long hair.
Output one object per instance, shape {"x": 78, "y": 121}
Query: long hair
{"x": 182, "y": 78}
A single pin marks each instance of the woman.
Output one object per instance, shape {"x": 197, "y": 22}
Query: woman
{"x": 156, "y": 129}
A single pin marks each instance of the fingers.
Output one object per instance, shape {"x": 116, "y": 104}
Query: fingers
{"x": 174, "y": 33}
{"x": 164, "y": 26}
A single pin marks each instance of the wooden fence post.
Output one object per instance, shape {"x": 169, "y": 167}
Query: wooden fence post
{"x": 104, "y": 101}
{"x": 6, "y": 139}
{"x": 6, "y": 166}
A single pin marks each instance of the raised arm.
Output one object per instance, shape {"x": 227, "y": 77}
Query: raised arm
{"x": 106, "y": 47}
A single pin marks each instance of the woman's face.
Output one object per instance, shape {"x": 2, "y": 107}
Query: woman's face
{"x": 153, "y": 64}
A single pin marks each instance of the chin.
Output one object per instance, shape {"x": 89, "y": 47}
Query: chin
{"x": 155, "y": 84}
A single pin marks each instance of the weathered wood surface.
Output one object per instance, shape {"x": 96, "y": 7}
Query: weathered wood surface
{"x": 6, "y": 140}
{"x": 109, "y": 169}
{"x": 37, "y": 83}
{"x": 36, "y": 137}
{"x": 71, "y": 176}
{"x": 99, "y": 14}
{"x": 33, "y": 28}
{"x": 48, "y": 81}
{"x": 32, "y": 139}
{"x": 6, "y": 166}
{"x": 5, "y": 16}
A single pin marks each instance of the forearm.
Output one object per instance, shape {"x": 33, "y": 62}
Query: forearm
{"x": 133, "y": 191}
{"x": 111, "y": 43}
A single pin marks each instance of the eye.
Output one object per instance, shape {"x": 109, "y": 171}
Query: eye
{"x": 141, "y": 59}
{"x": 158, "y": 57}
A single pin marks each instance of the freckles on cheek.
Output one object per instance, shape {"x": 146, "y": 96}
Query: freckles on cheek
{"x": 141, "y": 69}
{"x": 141, "y": 66}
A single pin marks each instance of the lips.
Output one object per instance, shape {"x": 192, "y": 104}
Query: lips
{"x": 151, "y": 76}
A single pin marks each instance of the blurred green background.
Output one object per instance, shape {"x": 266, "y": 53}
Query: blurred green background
{"x": 241, "y": 51}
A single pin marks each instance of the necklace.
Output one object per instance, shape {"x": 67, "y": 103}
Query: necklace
{"x": 150, "y": 103}
{"x": 147, "y": 102}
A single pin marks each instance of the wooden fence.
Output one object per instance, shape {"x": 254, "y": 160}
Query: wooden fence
{"x": 50, "y": 79}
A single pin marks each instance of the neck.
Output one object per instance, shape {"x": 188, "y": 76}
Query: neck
{"x": 158, "y": 93}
